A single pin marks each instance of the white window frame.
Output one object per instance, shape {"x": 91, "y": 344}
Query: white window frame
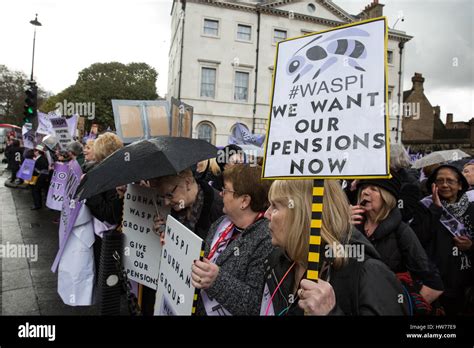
{"x": 273, "y": 34}
{"x": 393, "y": 57}
{"x": 237, "y": 32}
{"x": 218, "y": 27}
{"x": 208, "y": 66}
{"x": 213, "y": 130}
{"x": 248, "y": 72}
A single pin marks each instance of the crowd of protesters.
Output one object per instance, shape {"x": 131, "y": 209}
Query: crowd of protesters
{"x": 414, "y": 237}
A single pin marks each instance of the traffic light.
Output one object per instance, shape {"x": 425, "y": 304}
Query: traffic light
{"x": 31, "y": 103}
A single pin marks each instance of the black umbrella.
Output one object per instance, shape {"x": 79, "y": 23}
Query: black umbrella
{"x": 143, "y": 160}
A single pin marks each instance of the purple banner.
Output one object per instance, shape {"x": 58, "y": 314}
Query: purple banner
{"x": 26, "y": 169}
{"x": 70, "y": 209}
{"x": 57, "y": 187}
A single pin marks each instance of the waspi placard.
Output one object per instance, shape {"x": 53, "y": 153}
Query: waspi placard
{"x": 328, "y": 117}
{"x": 175, "y": 293}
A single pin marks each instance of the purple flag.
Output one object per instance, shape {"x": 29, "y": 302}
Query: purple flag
{"x": 70, "y": 209}
{"x": 57, "y": 186}
{"x": 242, "y": 136}
{"x": 26, "y": 169}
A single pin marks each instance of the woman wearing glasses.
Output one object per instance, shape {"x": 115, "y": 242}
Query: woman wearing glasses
{"x": 194, "y": 203}
{"x": 446, "y": 231}
{"x": 353, "y": 281}
{"x": 230, "y": 276}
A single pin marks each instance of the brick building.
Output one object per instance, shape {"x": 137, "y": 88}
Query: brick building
{"x": 423, "y": 128}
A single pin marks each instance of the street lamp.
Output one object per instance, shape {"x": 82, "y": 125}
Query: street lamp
{"x": 401, "y": 45}
{"x": 36, "y": 24}
{"x": 402, "y": 18}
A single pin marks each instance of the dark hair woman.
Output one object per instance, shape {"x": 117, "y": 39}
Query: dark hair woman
{"x": 446, "y": 230}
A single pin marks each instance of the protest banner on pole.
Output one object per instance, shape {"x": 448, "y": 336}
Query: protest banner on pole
{"x": 175, "y": 294}
{"x": 26, "y": 169}
{"x": 328, "y": 114}
{"x": 44, "y": 123}
{"x": 28, "y": 136}
{"x": 142, "y": 247}
{"x": 61, "y": 129}
{"x": 57, "y": 186}
{"x": 69, "y": 210}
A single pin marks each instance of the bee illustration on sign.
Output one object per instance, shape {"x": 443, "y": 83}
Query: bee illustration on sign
{"x": 323, "y": 54}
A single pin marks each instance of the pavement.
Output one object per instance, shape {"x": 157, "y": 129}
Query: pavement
{"x": 28, "y": 287}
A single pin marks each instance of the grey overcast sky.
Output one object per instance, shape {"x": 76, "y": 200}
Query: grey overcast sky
{"x": 77, "y": 33}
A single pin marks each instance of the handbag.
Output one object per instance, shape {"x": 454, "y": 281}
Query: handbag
{"x": 33, "y": 180}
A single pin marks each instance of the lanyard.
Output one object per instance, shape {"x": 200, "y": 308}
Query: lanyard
{"x": 223, "y": 236}
{"x": 278, "y": 287}
{"x": 219, "y": 241}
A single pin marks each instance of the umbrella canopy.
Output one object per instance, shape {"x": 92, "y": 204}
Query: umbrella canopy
{"x": 439, "y": 157}
{"x": 143, "y": 160}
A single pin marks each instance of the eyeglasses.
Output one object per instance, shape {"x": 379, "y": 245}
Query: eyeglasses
{"x": 170, "y": 195}
{"x": 450, "y": 182}
{"x": 224, "y": 190}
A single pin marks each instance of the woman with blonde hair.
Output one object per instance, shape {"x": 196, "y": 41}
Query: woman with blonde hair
{"x": 106, "y": 206}
{"x": 88, "y": 155}
{"x": 377, "y": 216}
{"x": 352, "y": 280}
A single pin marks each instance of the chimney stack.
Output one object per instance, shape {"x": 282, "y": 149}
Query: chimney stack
{"x": 373, "y": 10}
{"x": 449, "y": 118}
{"x": 417, "y": 80}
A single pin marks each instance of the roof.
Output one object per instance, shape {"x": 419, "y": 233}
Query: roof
{"x": 406, "y": 94}
{"x": 271, "y": 7}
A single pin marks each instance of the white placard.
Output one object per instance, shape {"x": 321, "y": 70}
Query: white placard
{"x": 175, "y": 293}
{"x": 142, "y": 248}
{"x": 61, "y": 129}
{"x": 328, "y": 116}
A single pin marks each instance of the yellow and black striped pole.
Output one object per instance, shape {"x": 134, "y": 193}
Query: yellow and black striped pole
{"x": 315, "y": 231}
{"x": 196, "y": 291}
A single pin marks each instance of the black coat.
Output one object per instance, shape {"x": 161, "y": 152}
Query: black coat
{"x": 106, "y": 206}
{"x": 439, "y": 245}
{"x": 212, "y": 209}
{"x": 409, "y": 196}
{"x": 361, "y": 288}
{"x": 401, "y": 251}
{"x": 41, "y": 166}
{"x": 14, "y": 155}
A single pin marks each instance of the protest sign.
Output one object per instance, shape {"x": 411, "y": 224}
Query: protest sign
{"x": 70, "y": 208}
{"x": 29, "y": 137}
{"x": 44, "y": 123}
{"x": 57, "y": 186}
{"x": 328, "y": 116}
{"x": 26, "y": 169}
{"x": 175, "y": 294}
{"x": 72, "y": 124}
{"x": 142, "y": 247}
{"x": 61, "y": 128}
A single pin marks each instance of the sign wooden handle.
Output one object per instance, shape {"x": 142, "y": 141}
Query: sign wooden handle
{"x": 315, "y": 230}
